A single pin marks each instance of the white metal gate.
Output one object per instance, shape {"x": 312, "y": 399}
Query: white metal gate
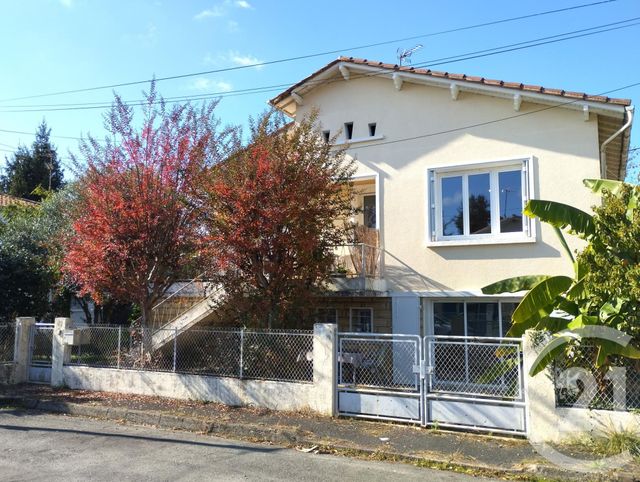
{"x": 474, "y": 383}
{"x": 376, "y": 376}
{"x": 40, "y": 351}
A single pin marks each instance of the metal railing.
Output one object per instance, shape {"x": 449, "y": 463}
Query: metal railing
{"x": 357, "y": 260}
{"x": 247, "y": 354}
{"x": 481, "y": 367}
{"x": 579, "y": 384}
{"x": 7, "y": 342}
{"x": 378, "y": 361}
{"x": 180, "y": 301}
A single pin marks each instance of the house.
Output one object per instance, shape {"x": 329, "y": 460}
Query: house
{"x": 8, "y": 200}
{"x": 445, "y": 164}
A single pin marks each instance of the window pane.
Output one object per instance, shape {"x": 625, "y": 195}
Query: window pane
{"x": 507, "y": 312}
{"x": 369, "y": 211}
{"x": 326, "y": 315}
{"x": 482, "y": 319}
{"x": 510, "y": 185}
{"x": 361, "y": 320}
{"x": 452, "y": 221}
{"x": 448, "y": 319}
{"x": 480, "y": 204}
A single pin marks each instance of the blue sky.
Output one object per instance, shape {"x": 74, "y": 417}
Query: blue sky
{"x": 57, "y": 45}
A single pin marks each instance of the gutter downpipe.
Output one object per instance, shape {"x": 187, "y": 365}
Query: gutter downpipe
{"x": 603, "y": 148}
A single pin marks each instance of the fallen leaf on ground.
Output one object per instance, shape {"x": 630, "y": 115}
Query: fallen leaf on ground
{"x": 307, "y": 450}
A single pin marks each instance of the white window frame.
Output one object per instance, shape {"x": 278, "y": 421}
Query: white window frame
{"x": 351, "y": 317}
{"x": 465, "y": 301}
{"x": 435, "y": 175}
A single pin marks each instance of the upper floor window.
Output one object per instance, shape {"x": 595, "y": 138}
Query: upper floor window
{"x": 348, "y": 130}
{"x": 369, "y": 210}
{"x": 480, "y": 203}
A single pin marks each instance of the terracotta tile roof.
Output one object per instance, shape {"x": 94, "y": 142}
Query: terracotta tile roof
{"x": 459, "y": 77}
{"x": 7, "y": 200}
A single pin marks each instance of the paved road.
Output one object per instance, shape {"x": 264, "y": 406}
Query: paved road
{"x": 36, "y": 446}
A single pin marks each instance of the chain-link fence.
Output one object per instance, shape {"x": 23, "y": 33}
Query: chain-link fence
{"x": 579, "y": 384}
{"x": 379, "y": 361}
{"x": 7, "y": 341}
{"x": 248, "y": 354}
{"x": 483, "y": 367}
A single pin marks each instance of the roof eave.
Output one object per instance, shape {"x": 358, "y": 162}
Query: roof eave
{"x": 572, "y": 100}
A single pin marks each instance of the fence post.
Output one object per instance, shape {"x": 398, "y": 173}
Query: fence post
{"x": 175, "y": 347}
{"x": 241, "y": 352}
{"x": 324, "y": 367}
{"x": 543, "y": 422}
{"x": 21, "y": 353}
{"x": 119, "y": 343}
{"x": 363, "y": 273}
{"x": 60, "y": 351}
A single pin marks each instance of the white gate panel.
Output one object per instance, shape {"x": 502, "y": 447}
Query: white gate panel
{"x": 477, "y": 415}
{"x": 463, "y": 382}
{"x": 376, "y": 405}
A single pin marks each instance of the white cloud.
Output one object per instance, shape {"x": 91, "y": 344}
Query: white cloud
{"x": 202, "y": 83}
{"x": 219, "y": 10}
{"x": 149, "y": 36}
{"x": 215, "y": 11}
{"x": 240, "y": 59}
{"x": 66, "y": 3}
{"x": 209, "y": 59}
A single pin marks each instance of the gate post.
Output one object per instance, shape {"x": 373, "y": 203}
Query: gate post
{"x": 324, "y": 367}
{"x": 540, "y": 395}
{"x": 60, "y": 352}
{"x": 22, "y": 350}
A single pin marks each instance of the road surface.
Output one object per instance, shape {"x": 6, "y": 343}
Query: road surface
{"x": 36, "y": 446}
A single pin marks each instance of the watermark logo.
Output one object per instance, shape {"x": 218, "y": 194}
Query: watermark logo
{"x": 574, "y": 378}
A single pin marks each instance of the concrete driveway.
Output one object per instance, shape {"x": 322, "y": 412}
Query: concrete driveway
{"x": 36, "y": 446}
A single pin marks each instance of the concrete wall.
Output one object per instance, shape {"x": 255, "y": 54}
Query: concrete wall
{"x": 7, "y": 371}
{"x": 318, "y": 396}
{"x": 548, "y": 423}
{"x": 564, "y": 148}
{"x": 230, "y": 391}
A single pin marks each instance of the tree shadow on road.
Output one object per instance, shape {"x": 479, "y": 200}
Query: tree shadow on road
{"x": 169, "y": 440}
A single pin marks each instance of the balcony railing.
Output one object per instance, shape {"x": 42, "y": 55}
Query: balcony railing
{"x": 355, "y": 266}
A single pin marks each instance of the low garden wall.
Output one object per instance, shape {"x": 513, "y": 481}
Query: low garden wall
{"x": 273, "y": 395}
{"x": 549, "y": 422}
{"x": 113, "y": 360}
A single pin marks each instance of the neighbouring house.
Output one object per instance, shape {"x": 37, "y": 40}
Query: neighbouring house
{"x": 445, "y": 164}
{"x": 8, "y": 200}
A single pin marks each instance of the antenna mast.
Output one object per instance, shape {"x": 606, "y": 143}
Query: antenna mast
{"x": 405, "y": 54}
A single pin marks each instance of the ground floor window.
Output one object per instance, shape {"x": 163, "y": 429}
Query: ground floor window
{"x": 472, "y": 318}
{"x": 327, "y": 315}
{"x": 361, "y": 320}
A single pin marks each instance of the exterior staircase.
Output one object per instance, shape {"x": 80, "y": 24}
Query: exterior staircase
{"x": 185, "y": 307}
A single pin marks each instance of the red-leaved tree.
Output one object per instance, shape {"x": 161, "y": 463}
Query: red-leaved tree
{"x": 135, "y": 228}
{"x": 273, "y": 221}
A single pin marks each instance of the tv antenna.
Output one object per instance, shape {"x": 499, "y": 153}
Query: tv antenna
{"x": 405, "y": 54}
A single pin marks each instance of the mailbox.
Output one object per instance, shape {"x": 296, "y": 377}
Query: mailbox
{"x": 77, "y": 337}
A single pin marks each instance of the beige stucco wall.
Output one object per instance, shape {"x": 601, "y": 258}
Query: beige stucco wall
{"x": 564, "y": 149}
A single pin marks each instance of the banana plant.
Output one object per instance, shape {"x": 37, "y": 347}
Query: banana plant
{"x": 559, "y": 304}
